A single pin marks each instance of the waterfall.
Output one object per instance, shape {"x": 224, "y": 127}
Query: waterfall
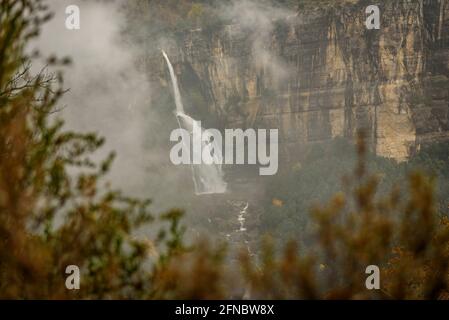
{"x": 240, "y": 235}
{"x": 207, "y": 178}
{"x": 174, "y": 80}
{"x": 241, "y": 218}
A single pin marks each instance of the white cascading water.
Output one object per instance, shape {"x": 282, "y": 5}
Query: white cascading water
{"x": 240, "y": 236}
{"x": 207, "y": 178}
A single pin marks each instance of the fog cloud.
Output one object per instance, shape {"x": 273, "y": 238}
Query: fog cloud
{"x": 259, "y": 19}
{"x": 108, "y": 93}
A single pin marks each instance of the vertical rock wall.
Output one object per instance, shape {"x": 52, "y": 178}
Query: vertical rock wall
{"x": 321, "y": 74}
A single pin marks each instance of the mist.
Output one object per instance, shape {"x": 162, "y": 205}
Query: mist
{"x": 109, "y": 95}
{"x": 258, "y": 19}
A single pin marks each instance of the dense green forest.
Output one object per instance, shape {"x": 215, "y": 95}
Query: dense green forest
{"x": 322, "y": 173}
{"x": 170, "y": 17}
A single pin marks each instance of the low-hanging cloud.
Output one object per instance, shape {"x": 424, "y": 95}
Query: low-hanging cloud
{"x": 108, "y": 94}
{"x": 259, "y": 18}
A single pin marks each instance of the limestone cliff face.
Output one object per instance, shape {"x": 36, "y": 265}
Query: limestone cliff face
{"x": 322, "y": 74}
